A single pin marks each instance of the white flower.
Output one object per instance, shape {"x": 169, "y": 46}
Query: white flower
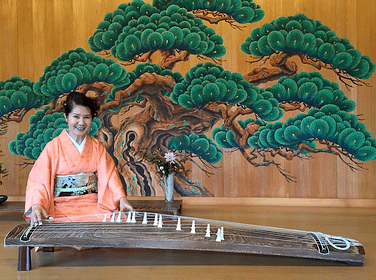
{"x": 170, "y": 157}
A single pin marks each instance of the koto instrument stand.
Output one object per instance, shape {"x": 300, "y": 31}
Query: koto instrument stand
{"x": 163, "y": 231}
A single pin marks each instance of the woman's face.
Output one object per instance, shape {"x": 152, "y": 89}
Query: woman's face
{"x": 79, "y": 122}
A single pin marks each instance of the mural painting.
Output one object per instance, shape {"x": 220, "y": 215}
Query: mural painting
{"x": 208, "y": 110}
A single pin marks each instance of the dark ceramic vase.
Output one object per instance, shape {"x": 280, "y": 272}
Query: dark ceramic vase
{"x": 3, "y": 198}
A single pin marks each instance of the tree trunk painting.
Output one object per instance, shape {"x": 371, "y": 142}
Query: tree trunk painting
{"x": 209, "y": 109}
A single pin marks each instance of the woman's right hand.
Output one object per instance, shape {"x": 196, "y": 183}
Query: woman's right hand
{"x": 38, "y": 213}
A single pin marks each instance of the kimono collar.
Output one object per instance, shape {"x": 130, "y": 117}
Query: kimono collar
{"x": 79, "y": 147}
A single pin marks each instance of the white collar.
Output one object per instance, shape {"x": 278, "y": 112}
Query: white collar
{"x": 79, "y": 147}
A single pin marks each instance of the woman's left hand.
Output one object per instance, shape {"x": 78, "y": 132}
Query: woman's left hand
{"x": 124, "y": 205}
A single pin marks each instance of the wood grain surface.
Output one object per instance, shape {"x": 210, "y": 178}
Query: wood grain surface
{"x": 35, "y": 32}
{"x": 144, "y": 264}
{"x": 236, "y": 238}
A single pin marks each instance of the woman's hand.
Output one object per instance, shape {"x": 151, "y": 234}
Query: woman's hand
{"x": 38, "y": 213}
{"x": 124, "y": 205}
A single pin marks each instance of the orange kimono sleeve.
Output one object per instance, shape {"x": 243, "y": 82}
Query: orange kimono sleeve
{"x": 110, "y": 188}
{"x": 39, "y": 189}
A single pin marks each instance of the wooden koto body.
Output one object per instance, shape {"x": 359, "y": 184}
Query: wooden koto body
{"x": 162, "y": 231}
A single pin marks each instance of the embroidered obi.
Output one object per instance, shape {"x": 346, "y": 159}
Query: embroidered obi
{"x": 76, "y": 184}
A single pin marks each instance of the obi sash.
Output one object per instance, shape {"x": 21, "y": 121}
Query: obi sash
{"x": 76, "y": 184}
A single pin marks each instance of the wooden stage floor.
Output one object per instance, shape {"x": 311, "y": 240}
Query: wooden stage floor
{"x": 355, "y": 223}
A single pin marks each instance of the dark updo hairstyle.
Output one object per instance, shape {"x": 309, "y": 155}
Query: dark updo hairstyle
{"x": 80, "y": 99}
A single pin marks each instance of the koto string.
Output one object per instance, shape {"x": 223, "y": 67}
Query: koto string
{"x": 247, "y": 231}
{"x": 168, "y": 222}
{"x": 167, "y": 218}
{"x": 299, "y": 238}
{"x": 288, "y": 235}
{"x": 64, "y": 230}
{"x": 64, "y": 233}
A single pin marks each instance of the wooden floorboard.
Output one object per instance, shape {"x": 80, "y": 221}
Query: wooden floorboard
{"x": 356, "y": 223}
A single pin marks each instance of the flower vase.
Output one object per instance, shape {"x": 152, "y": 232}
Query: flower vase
{"x": 169, "y": 187}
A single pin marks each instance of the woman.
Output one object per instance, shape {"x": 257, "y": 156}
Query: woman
{"x": 73, "y": 156}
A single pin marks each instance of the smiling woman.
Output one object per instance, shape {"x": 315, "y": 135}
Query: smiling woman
{"x": 79, "y": 122}
{"x": 74, "y": 175}
{"x": 79, "y": 114}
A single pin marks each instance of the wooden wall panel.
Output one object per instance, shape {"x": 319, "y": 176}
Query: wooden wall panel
{"x": 325, "y": 176}
{"x": 34, "y": 32}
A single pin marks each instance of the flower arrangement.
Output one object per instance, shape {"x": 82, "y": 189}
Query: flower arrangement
{"x": 166, "y": 163}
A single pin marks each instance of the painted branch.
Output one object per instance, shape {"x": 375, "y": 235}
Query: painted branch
{"x": 281, "y": 66}
{"x": 212, "y": 18}
{"x": 146, "y": 83}
{"x": 15, "y": 116}
{"x": 315, "y": 63}
{"x": 292, "y": 106}
{"x": 169, "y": 58}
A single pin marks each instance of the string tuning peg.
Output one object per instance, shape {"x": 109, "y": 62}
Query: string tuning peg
{"x": 112, "y": 218}
{"x": 118, "y": 220}
{"x": 193, "y": 228}
{"x": 155, "y": 219}
{"x": 160, "y": 223}
{"x": 133, "y": 221}
{"x": 207, "y": 231}
{"x": 129, "y": 217}
{"x": 219, "y": 239}
{"x": 178, "y": 226}
{"x": 145, "y": 220}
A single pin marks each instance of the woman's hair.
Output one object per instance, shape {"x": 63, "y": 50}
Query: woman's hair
{"x": 80, "y": 99}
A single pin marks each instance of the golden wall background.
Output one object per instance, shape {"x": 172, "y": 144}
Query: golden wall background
{"x": 35, "y": 32}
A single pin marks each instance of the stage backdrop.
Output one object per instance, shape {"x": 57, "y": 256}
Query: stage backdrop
{"x": 222, "y": 123}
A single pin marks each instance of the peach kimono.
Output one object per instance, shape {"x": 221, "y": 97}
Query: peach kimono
{"x": 61, "y": 157}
